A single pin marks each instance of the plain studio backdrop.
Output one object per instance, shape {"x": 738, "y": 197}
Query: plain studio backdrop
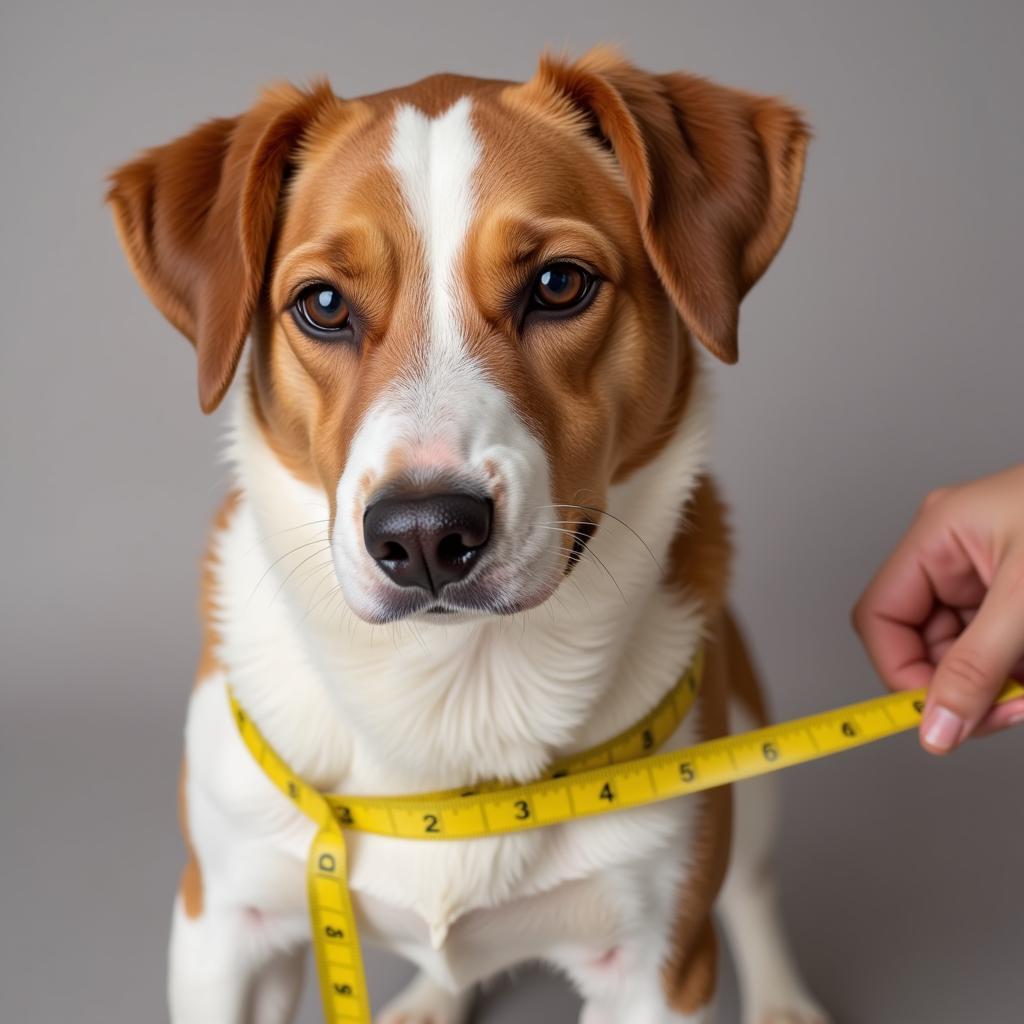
{"x": 882, "y": 355}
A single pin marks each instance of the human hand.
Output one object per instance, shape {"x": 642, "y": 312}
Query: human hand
{"x": 946, "y": 611}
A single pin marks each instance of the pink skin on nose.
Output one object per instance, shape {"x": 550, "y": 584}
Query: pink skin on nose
{"x": 435, "y": 453}
{"x": 423, "y": 457}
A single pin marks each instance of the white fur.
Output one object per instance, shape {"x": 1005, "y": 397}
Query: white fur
{"x": 435, "y": 160}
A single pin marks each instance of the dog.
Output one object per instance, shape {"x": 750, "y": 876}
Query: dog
{"x": 472, "y": 527}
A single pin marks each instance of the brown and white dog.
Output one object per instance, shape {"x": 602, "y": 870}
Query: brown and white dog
{"x": 473, "y": 527}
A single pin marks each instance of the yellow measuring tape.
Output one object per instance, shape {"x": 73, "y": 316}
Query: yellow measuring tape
{"x": 619, "y": 774}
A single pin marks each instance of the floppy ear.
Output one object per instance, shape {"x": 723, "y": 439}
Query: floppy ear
{"x": 714, "y": 175}
{"x": 196, "y": 217}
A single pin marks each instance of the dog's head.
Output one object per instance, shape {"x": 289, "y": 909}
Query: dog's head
{"x": 470, "y": 301}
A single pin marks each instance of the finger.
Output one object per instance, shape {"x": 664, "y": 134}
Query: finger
{"x": 889, "y": 615}
{"x": 942, "y": 626}
{"x": 970, "y": 676}
{"x": 1002, "y": 717}
{"x": 928, "y": 566}
{"x": 940, "y": 632}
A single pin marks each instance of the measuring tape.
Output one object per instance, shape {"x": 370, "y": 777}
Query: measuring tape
{"x": 335, "y": 941}
{"x": 617, "y": 775}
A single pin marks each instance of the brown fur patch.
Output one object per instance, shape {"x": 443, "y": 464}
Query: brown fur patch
{"x": 699, "y": 563}
{"x": 196, "y": 217}
{"x": 191, "y": 885}
{"x": 743, "y": 680}
{"x": 694, "y": 979}
{"x": 208, "y": 660}
{"x": 701, "y": 554}
{"x": 689, "y": 970}
{"x": 657, "y": 433}
{"x": 699, "y": 567}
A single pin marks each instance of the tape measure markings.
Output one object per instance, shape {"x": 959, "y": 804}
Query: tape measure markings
{"x": 335, "y": 939}
{"x": 636, "y": 782}
{"x": 575, "y": 788}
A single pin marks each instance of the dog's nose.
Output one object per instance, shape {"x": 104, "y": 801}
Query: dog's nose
{"x": 427, "y": 541}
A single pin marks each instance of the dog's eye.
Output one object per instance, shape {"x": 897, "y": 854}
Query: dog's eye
{"x": 561, "y": 287}
{"x": 321, "y": 310}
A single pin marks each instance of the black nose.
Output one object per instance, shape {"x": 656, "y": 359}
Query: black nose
{"x": 427, "y": 541}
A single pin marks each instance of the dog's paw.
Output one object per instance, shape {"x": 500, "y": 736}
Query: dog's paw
{"x": 423, "y": 1001}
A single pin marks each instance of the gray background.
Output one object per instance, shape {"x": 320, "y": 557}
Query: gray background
{"x": 882, "y": 356}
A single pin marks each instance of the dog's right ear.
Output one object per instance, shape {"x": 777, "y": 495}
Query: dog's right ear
{"x": 196, "y": 217}
{"x": 714, "y": 175}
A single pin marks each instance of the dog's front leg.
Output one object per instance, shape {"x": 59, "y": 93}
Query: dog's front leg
{"x": 240, "y": 927}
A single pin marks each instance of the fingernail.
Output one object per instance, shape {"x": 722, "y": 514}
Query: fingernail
{"x": 1017, "y": 719}
{"x": 941, "y": 729}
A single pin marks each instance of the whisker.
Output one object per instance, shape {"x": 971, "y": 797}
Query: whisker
{"x": 333, "y": 592}
{"x": 588, "y": 551}
{"x": 326, "y": 570}
{"x": 309, "y": 575}
{"x": 287, "y": 529}
{"x": 416, "y": 635}
{"x": 292, "y": 572}
{"x": 342, "y": 617}
{"x": 299, "y": 547}
{"x": 614, "y": 518}
{"x": 342, "y": 613}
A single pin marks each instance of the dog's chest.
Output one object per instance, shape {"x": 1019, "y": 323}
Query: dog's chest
{"x": 443, "y": 884}
{"x": 488, "y": 905}
{"x": 460, "y": 909}
{"x": 582, "y": 882}
{"x": 467, "y": 907}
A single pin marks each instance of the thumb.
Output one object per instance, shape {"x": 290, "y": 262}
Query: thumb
{"x": 972, "y": 672}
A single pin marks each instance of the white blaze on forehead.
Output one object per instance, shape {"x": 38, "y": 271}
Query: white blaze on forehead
{"x": 435, "y": 159}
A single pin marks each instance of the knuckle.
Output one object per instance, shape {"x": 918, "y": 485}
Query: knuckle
{"x": 933, "y": 498}
{"x": 858, "y": 617}
{"x": 1015, "y": 581}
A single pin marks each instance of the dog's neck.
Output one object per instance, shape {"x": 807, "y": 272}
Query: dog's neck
{"x": 417, "y": 704}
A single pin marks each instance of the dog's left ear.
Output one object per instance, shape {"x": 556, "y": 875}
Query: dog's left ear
{"x": 196, "y": 216}
{"x": 714, "y": 175}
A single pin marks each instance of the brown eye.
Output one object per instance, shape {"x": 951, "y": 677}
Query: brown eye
{"x": 322, "y": 309}
{"x": 561, "y": 287}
